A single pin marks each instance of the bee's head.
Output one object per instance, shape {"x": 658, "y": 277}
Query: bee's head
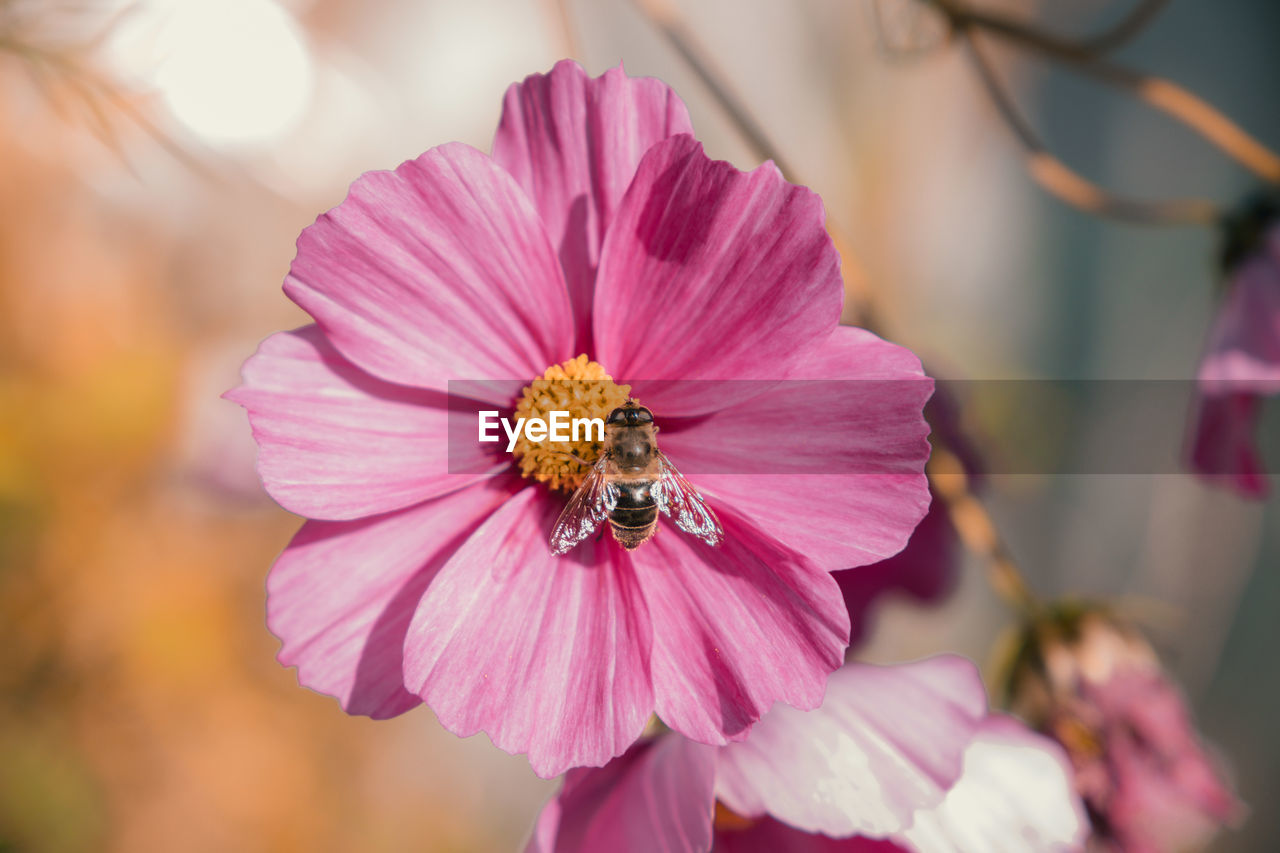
{"x": 629, "y": 414}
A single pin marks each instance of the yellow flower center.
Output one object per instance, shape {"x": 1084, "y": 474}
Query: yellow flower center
{"x": 728, "y": 820}
{"x": 582, "y": 389}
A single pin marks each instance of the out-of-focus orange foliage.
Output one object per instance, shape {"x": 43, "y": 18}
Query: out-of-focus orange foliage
{"x": 141, "y": 708}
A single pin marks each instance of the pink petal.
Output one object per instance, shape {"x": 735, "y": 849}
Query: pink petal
{"x": 1224, "y": 445}
{"x": 573, "y": 142}
{"x": 547, "y": 829}
{"x": 336, "y": 443}
{"x": 1152, "y": 816}
{"x": 851, "y": 419}
{"x": 712, "y": 273}
{"x": 341, "y": 595}
{"x": 767, "y": 835}
{"x": 736, "y": 628}
{"x": 925, "y": 570}
{"x": 655, "y": 797}
{"x": 1160, "y": 767}
{"x": 439, "y": 270}
{"x": 1243, "y": 352}
{"x": 1242, "y": 362}
{"x": 886, "y": 742}
{"x": 1156, "y": 805}
{"x": 1015, "y": 796}
{"x": 548, "y": 655}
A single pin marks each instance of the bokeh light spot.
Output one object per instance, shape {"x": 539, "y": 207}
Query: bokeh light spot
{"x": 234, "y": 72}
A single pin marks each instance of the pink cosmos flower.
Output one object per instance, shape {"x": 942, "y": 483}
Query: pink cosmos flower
{"x": 897, "y": 758}
{"x": 596, "y": 227}
{"x": 925, "y": 570}
{"x": 1241, "y": 367}
{"x": 1098, "y": 688}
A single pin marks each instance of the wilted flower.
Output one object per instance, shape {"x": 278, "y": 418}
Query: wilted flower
{"x": 899, "y": 757}
{"x": 597, "y": 227}
{"x": 1242, "y": 360}
{"x": 1096, "y": 686}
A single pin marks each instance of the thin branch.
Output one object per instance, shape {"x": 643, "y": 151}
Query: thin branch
{"x": 564, "y": 22}
{"x": 962, "y": 17}
{"x": 971, "y": 518}
{"x": 1194, "y": 112}
{"x": 1058, "y": 179}
{"x": 1081, "y": 49}
{"x": 1097, "y": 44}
{"x": 978, "y": 531}
{"x": 668, "y": 21}
{"x": 912, "y": 50}
{"x": 1164, "y": 95}
{"x": 95, "y": 93}
{"x": 1122, "y": 31}
{"x": 664, "y": 17}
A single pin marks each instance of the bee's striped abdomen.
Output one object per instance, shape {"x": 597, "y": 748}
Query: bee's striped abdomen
{"x": 635, "y": 516}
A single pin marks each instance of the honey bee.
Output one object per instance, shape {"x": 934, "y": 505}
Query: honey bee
{"x": 629, "y": 485}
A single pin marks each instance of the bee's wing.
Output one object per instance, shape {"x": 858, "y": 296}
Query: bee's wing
{"x": 678, "y": 499}
{"x": 590, "y": 505}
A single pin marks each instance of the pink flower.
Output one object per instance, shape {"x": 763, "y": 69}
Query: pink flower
{"x": 901, "y": 757}
{"x": 1097, "y": 687}
{"x": 926, "y": 568}
{"x": 599, "y": 227}
{"x": 1241, "y": 366}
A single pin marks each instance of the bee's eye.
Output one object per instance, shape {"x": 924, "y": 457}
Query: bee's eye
{"x": 617, "y": 416}
{"x": 644, "y": 416}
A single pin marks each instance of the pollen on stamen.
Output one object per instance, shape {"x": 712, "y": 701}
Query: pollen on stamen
{"x": 583, "y": 389}
{"x": 726, "y": 819}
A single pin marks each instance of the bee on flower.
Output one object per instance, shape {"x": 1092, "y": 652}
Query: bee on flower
{"x": 597, "y": 240}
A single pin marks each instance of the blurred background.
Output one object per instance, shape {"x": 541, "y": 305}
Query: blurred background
{"x": 157, "y": 161}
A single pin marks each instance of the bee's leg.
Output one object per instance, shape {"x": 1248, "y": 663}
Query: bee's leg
{"x": 574, "y": 457}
